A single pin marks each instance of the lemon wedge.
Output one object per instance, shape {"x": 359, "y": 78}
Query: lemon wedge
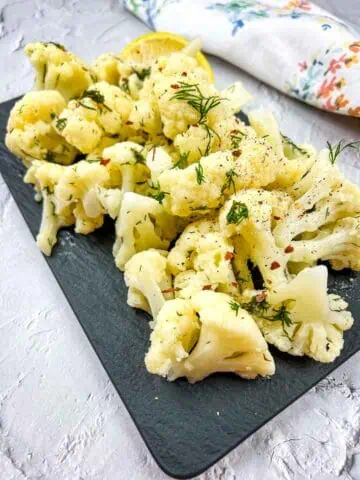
{"x": 146, "y": 48}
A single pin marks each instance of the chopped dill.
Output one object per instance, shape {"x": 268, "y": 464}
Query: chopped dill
{"x": 143, "y": 73}
{"x": 230, "y": 183}
{"x": 96, "y": 97}
{"x": 336, "y": 150}
{"x": 61, "y": 123}
{"x": 237, "y": 213}
{"x": 293, "y": 145}
{"x": 234, "y": 306}
{"x": 200, "y": 178}
{"x": 182, "y": 162}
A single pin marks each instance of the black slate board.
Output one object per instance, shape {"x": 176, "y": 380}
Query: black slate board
{"x": 178, "y": 421}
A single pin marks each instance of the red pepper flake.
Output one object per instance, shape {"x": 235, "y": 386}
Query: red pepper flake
{"x": 289, "y": 249}
{"x": 235, "y": 284}
{"x": 175, "y": 86}
{"x": 170, "y": 290}
{"x": 236, "y": 153}
{"x": 275, "y": 265}
{"x": 206, "y": 287}
{"x": 161, "y": 69}
{"x": 229, "y": 256}
{"x": 235, "y": 131}
{"x": 277, "y": 218}
{"x": 260, "y": 297}
{"x": 184, "y": 74}
{"x": 105, "y": 161}
{"x": 129, "y": 122}
{"x": 196, "y": 126}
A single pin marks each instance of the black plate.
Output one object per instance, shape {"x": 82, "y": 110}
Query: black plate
{"x": 186, "y": 427}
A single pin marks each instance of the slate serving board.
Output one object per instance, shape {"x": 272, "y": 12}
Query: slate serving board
{"x": 178, "y": 421}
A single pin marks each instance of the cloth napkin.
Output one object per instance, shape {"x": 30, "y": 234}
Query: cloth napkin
{"x": 293, "y": 45}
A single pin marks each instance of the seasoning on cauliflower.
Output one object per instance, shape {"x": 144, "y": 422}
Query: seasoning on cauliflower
{"x": 58, "y": 69}
{"x": 30, "y": 135}
{"x": 296, "y": 159}
{"x": 229, "y": 341}
{"x": 158, "y": 161}
{"x": 102, "y": 110}
{"x": 202, "y": 248}
{"x": 302, "y": 319}
{"x": 250, "y": 214}
{"x": 106, "y": 68}
{"x": 203, "y": 186}
{"x": 142, "y": 224}
{"x": 148, "y": 280}
{"x": 175, "y": 333}
{"x": 74, "y": 196}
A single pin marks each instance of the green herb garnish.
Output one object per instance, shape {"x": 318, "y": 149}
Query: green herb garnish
{"x": 200, "y": 178}
{"x": 234, "y": 306}
{"x": 237, "y": 213}
{"x": 182, "y": 162}
{"x": 96, "y": 97}
{"x": 293, "y": 145}
{"x": 61, "y": 124}
{"x": 139, "y": 157}
{"x": 230, "y": 183}
{"x": 142, "y": 74}
{"x": 336, "y": 150}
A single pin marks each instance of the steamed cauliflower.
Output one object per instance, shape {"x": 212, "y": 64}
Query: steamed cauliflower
{"x": 202, "y": 250}
{"x": 250, "y": 214}
{"x": 72, "y": 195}
{"x": 203, "y": 186}
{"x": 30, "y": 134}
{"x": 149, "y": 282}
{"x": 58, "y": 69}
{"x": 229, "y": 341}
{"x": 175, "y": 333}
{"x": 102, "y": 110}
{"x": 302, "y": 319}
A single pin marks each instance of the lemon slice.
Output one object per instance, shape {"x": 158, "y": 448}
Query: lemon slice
{"x": 146, "y": 48}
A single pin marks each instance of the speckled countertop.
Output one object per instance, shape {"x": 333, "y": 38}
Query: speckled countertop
{"x": 60, "y": 418}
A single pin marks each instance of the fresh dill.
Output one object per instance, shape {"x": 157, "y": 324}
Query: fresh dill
{"x": 96, "y": 96}
{"x": 282, "y": 315}
{"x": 200, "y": 178}
{"x": 258, "y": 305}
{"x": 159, "y": 197}
{"x": 192, "y": 95}
{"x": 58, "y": 45}
{"x": 210, "y": 133}
{"x": 61, "y": 123}
{"x": 336, "y": 150}
{"x": 139, "y": 157}
{"x": 237, "y": 213}
{"x": 235, "y": 306}
{"x": 50, "y": 157}
{"x": 124, "y": 85}
{"x": 230, "y": 182}
{"x": 236, "y": 136}
{"x": 182, "y": 162}
{"x": 143, "y": 73}
{"x": 293, "y": 145}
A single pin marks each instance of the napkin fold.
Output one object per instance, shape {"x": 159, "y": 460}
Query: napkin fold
{"x": 294, "y": 46}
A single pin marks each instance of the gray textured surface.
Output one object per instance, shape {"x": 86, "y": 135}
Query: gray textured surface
{"x": 59, "y": 416}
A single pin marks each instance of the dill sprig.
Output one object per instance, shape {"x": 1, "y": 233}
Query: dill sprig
{"x": 182, "y": 162}
{"x": 235, "y": 306}
{"x": 336, "y": 150}
{"x": 230, "y": 182}
{"x": 124, "y": 85}
{"x": 143, "y": 73}
{"x": 200, "y": 178}
{"x": 96, "y": 97}
{"x": 61, "y": 123}
{"x": 58, "y": 45}
{"x": 293, "y": 145}
{"x": 237, "y": 213}
{"x": 282, "y": 315}
{"x": 236, "y": 136}
{"x": 139, "y": 157}
{"x": 210, "y": 133}
{"x": 159, "y": 195}
{"x": 192, "y": 95}
{"x": 258, "y": 305}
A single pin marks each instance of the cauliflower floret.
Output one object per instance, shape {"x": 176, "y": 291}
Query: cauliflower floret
{"x": 30, "y": 134}
{"x": 296, "y": 160}
{"x": 304, "y": 319}
{"x": 202, "y": 248}
{"x": 338, "y": 242}
{"x": 102, "y": 110}
{"x": 190, "y": 282}
{"x": 250, "y": 214}
{"x": 175, "y": 333}
{"x": 148, "y": 281}
{"x": 73, "y": 194}
{"x": 158, "y": 161}
{"x": 203, "y": 186}
{"x": 126, "y": 159}
{"x": 229, "y": 341}
{"x": 142, "y": 224}
{"x": 106, "y": 68}
{"x": 58, "y": 69}
{"x": 145, "y": 115}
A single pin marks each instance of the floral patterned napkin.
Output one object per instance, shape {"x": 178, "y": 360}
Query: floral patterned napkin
{"x": 293, "y": 45}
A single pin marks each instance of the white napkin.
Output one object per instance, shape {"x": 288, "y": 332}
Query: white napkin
{"x": 293, "y": 45}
